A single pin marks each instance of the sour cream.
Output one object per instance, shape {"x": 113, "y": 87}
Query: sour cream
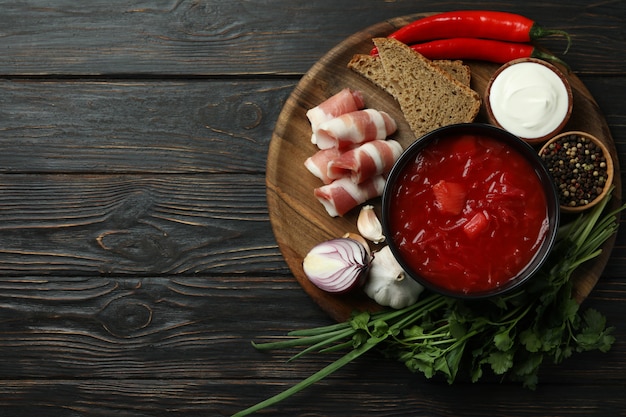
{"x": 529, "y": 99}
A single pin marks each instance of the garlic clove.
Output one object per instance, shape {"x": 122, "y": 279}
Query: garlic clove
{"x": 369, "y": 226}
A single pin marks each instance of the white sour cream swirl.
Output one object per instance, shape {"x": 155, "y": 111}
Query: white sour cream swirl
{"x": 529, "y": 100}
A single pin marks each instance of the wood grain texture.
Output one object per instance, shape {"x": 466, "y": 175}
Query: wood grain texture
{"x": 199, "y": 37}
{"x": 137, "y": 260}
{"x": 188, "y": 397}
{"x": 135, "y": 225}
{"x": 157, "y": 345}
{"x": 147, "y": 327}
{"x": 138, "y": 126}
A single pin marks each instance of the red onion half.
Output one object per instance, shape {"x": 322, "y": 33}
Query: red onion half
{"x": 337, "y": 265}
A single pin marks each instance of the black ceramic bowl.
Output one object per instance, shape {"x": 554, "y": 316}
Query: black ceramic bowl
{"x": 431, "y": 233}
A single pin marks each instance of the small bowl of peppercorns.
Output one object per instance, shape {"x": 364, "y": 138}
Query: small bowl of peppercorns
{"x": 581, "y": 167}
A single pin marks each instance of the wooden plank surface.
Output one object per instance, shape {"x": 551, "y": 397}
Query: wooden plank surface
{"x": 102, "y": 224}
{"x": 137, "y": 262}
{"x": 116, "y": 346}
{"x": 130, "y": 126}
{"x": 179, "y": 37}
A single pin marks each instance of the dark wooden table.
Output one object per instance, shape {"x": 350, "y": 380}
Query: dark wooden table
{"x": 137, "y": 260}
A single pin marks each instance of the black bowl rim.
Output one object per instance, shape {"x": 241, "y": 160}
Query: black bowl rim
{"x": 521, "y": 146}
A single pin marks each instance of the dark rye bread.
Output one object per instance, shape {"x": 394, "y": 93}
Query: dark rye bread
{"x": 456, "y": 69}
{"x": 371, "y": 68}
{"x": 428, "y": 96}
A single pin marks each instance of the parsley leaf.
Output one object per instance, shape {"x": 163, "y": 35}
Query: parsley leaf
{"x": 594, "y": 333}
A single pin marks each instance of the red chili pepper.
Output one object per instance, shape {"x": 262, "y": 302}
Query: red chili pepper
{"x": 486, "y": 24}
{"x": 481, "y": 49}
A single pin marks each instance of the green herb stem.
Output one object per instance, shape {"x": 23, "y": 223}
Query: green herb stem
{"x": 432, "y": 303}
{"x": 320, "y": 330}
{"x": 338, "y": 347}
{"x": 322, "y": 344}
{"x": 304, "y": 341}
{"x": 318, "y": 376}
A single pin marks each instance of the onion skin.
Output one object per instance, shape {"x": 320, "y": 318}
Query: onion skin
{"x": 337, "y": 265}
{"x": 361, "y": 240}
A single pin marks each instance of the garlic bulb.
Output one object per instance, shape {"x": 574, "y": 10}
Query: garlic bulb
{"x": 369, "y": 226}
{"x": 388, "y": 284}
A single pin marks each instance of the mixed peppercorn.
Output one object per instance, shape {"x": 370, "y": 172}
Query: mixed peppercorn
{"x": 578, "y": 167}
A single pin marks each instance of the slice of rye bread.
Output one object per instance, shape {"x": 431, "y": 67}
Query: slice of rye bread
{"x": 371, "y": 68}
{"x": 428, "y": 96}
{"x": 456, "y": 69}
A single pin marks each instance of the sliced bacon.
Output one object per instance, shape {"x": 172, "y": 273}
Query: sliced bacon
{"x": 351, "y": 129}
{"x": 342, "y": 195}
{"x": 319, "y": 162}
{"x": 369, "y": 159}
{"x": 345, "y": 101}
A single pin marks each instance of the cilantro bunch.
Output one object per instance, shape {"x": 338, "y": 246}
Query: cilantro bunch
{"x": 509, "y": 335}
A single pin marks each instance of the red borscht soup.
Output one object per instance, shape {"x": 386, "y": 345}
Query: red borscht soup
{"x": 468, "y": 214}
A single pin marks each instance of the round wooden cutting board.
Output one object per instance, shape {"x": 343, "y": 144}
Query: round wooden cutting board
{"x": 299, "y": 221}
